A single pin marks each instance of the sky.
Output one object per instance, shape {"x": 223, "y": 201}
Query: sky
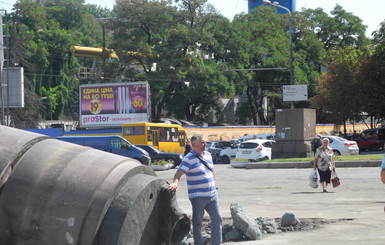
{"x": 372, "y": 12}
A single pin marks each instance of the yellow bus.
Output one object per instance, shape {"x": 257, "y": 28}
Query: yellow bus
{"x": 165, "y": 137}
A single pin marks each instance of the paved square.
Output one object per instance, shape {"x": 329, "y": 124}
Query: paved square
{"x": 273, "y": 192}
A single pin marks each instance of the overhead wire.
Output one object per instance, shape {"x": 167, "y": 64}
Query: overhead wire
{"x": 236, "y": 5}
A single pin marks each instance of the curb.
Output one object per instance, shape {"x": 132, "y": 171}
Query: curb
{"x": 339, "y": 164}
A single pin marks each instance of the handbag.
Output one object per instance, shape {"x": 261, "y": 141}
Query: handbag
{"x": 335, "y": 180}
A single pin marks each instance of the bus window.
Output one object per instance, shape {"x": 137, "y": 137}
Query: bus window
{"x": 162, "y": 134}
{"x": 133, "y": 130}
{"x": 155, "y": 136}
{"x": 174, "y": 135}
{"x": 182, "y": 139}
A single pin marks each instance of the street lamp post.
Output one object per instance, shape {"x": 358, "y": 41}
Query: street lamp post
{"x": 276, "y": 4}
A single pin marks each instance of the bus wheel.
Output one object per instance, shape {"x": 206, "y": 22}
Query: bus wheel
{"x": 173, "y": 162}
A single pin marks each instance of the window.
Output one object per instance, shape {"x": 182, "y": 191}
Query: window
{"x": 224, "y": 145}
{"x": 268, "y": 144}
{"x": 166, "y": 134}
{"x": 249, "y": 146}
{"x": 116, "y": 143}
{"x": 133, "y": 130}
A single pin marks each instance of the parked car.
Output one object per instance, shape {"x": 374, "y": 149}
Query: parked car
{"x": 216, "y": 147}
{"x": 208, "y": 144}
{"x": 253, "y": 137}
{"x": 228, "y": 153}
{"x": 371, "y": 139}
{"x": 155, "y": 154}
{"x": 374, "y": 134}
{"x": 255, "y": 150}
{"x": 113, "y": 144}
{"x": 342, "y": 146}
{"x": 369, "y": 145}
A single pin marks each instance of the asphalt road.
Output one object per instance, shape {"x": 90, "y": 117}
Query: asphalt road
{"x": 273, "y": 192}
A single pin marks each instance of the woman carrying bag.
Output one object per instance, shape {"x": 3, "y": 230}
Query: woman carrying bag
{"x": 324, "y": 161}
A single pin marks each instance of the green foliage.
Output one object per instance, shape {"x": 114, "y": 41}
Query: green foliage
{"x": 340, "y": 78}
{"x": 337, "y": 158}
{"x": 338, "y": 30}
{"x": 175, "y": 38}
{"x": 41, "y": 37}
{"x": 189, "y": 53}
{"x": 99, "y": 12}
{"x": 371, "y": 74}
{"x": 243, "y": 113}
{"x": 159, "y": 162}
{"x": 259, "y": 40}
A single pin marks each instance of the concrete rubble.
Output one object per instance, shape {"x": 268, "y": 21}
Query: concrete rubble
{"x": 242, "y": 227}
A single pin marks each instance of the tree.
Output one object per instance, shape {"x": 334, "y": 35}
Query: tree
{"x": 341, "y": 29}
{"x": 175, "y": 38}
{"x": 40, "y": 41}
{"x": 334, "y": 85}
{"x": 258, "y": 40}
{"x": 371, "y": 76}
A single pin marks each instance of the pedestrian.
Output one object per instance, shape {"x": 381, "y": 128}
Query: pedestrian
{"x": 315, "y": 143}
{"x": 324, "y": 161}
{"x": 355, "y": 135}
{"x": 203, "y": 194}
{"x": 383, "y": 170}
{"x": 187, "y": 148}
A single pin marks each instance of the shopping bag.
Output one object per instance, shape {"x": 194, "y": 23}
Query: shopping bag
{"x": 335, "y": 180}
{"x": 313, "y": 179}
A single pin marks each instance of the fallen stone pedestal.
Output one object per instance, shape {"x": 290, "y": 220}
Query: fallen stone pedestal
{"x": 54, "y": 192}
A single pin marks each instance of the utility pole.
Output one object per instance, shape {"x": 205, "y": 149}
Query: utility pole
{"x": 1, "y": 70}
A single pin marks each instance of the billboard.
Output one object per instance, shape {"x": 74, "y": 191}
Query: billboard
{"x": 294, "y": 92}
{"x": 14, "y": 77}
{"x": 111, "y": 104}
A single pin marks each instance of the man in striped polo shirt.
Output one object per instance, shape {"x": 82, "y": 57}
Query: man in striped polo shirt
{"x": 200, "y": 176}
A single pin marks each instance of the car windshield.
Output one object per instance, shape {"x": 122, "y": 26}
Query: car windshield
{"x": 149, "y": 147}
{"x": 249, "y": 145}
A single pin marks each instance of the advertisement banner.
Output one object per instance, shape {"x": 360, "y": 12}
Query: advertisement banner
{"x": 113, "y": 104}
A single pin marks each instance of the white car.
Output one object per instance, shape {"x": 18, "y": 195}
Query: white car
{"x": 342, "y": 146}
{"x": 255, "y": 150}
{"x": 228, "y": 153}
{"x": 268, "y": 136}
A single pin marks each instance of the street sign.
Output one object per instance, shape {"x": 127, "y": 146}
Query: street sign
{"x": 294, "y": 92}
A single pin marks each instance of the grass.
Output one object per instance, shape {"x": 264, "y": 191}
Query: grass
{"x": 159, "y": 162}
{"x": 337, "y": 158}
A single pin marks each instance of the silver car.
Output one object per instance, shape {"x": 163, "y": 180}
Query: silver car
{"x": 342, "y": 146}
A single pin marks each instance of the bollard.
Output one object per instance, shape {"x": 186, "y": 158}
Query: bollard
{"x": 54, "y": 192}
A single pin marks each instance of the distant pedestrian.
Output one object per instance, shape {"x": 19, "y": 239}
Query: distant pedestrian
{"x": 383, "y": 170}
{"x": 187, "y": 148}
{"x": 315, "y": 143}
{"x": 355, "y": 136}
{"x": 324, "y": 162}
{"x": 200, "y": 176}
